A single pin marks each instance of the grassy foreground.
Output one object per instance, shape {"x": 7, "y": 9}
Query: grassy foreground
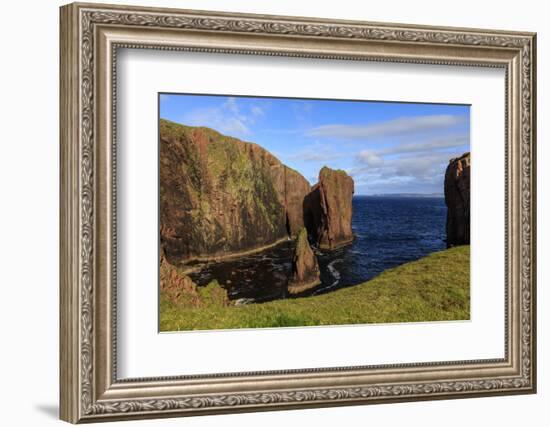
{"x": 436, "y": 287}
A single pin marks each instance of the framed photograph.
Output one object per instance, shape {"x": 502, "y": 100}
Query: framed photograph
{"x": 266, "y": 212}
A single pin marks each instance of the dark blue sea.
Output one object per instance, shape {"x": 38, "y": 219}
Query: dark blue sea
{"x": 389, "y": 231}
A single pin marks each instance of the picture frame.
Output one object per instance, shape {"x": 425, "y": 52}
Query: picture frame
{"x": 91, "y": 35}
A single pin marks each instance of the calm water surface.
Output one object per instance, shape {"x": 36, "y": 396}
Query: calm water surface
{"x": 389, "y": 231}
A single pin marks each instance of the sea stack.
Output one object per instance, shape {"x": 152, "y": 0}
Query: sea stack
{"x": 305, "y": 268}
{"x": 328, "y": 209}
{"x": 457, "y": 199}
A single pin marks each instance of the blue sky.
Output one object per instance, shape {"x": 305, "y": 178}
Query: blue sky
{"x": 386, "y": 147}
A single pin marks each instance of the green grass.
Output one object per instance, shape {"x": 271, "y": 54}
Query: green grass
{"x": 436, "y": 287}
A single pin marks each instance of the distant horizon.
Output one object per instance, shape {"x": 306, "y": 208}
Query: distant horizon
{"x": 388, "y": 148}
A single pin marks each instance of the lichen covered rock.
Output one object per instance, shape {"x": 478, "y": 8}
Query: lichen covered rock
{"x": 328, "y": 209}
{"x": 457, "y": 199}
{"x": 305, "y": 268}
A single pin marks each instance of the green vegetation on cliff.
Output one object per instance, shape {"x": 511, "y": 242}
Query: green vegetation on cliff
{"x": 433, "y": 288}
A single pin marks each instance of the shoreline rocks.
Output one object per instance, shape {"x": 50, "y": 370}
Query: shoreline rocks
{"x": 305, "y": 267}
{"x": 457, "y": 199}
{"x": 328, "y": 209}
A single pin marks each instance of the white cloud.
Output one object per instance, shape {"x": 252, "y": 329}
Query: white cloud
{"x": 228, "y": 118}
{"x": 369, "y": 158}
{"x": 417, "y": 166}
{"x": 435, "y": 145}
{"x": 312, "y": 156}
{"x": 396, "y": 127}
{"x": 316, "y": 152}
{"x": 446, "y": 142}
{"x": 302, "y": 110}
{"x": 218, "y": 118}
{"x": 234, "y": 126}
{"x": 257, "y": 111}
{"x": 410, "y": 167}
{"x": 231, "y": 105}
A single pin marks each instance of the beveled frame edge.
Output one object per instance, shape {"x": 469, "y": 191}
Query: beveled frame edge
{"x": 88, "y": 392}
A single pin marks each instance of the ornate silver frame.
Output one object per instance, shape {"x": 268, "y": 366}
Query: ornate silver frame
{"x": 90, "y": 36}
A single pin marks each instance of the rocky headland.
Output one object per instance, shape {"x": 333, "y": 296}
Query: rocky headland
{"x": 457, "y": 199}
{"x": 221, "y": 197}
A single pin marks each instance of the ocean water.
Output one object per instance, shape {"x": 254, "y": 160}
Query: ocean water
{"x": 389, "y": 231}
